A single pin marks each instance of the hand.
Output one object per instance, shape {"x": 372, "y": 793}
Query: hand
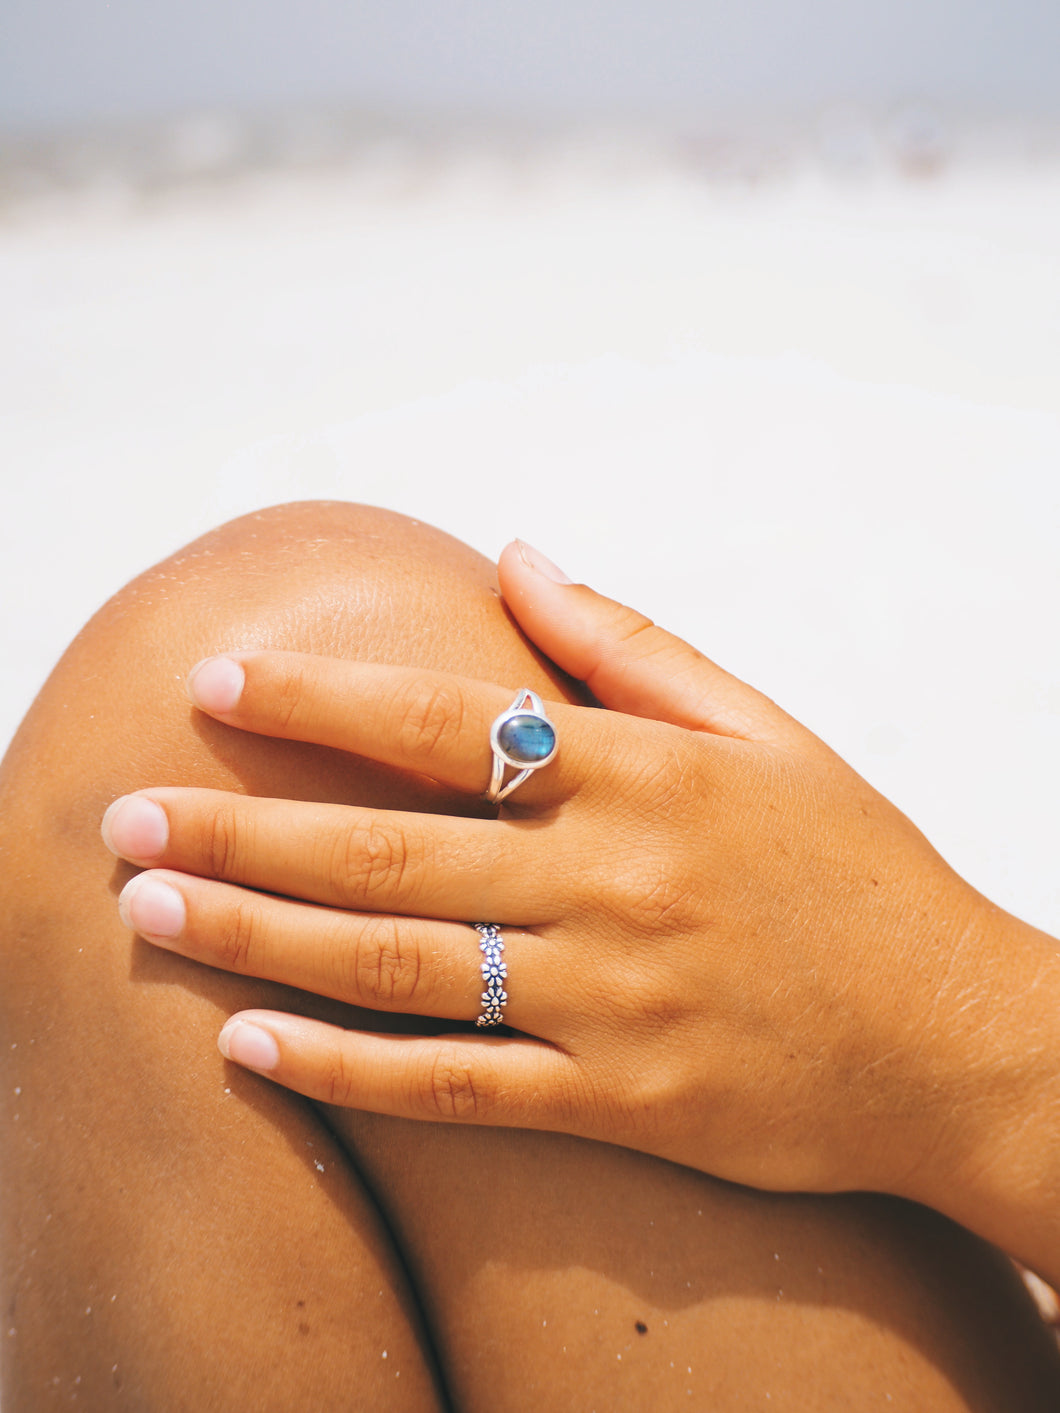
{"x": 723, "y": 946}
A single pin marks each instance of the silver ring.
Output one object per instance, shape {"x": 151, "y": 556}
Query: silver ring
{"x": 494, "y": 972}
{"x": 522, "y": 737}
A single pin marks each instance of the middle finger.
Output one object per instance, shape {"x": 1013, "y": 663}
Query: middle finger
{"x": 343, "y": 856}
{"x": 429, "y": 722}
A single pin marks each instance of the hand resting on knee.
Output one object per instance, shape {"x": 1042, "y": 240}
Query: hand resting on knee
{"x": 721, "y": 946}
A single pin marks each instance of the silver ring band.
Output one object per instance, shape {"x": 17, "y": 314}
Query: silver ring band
{"x": 494, "y": 972}
{"x": 522, "y": 737}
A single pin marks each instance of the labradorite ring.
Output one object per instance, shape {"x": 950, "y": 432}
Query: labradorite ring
{"x": 494, "y": 973}
{"x": 521, "y": 737}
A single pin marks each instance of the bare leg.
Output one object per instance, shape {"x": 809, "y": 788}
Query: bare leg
{"x": 178, "y": 1234}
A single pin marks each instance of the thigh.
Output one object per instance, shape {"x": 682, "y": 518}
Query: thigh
{"x": 542, "y": 1268}
{"x": 175, "y": 1235}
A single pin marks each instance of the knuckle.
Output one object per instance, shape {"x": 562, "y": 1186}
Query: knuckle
{"x": 663, "y": 779}
{"x": 647, "y": 642}
{"x": 652, "y": 893}
{"x": 648, "y": 1005}
{"x": 237, "y": 942}
{"x": 287, "y": 692}
{"x": 429, "y": 718}
{"x": 451, "y": 1088}
{"x": 339, "y": 1085}
{"x": 572, "y": 1106}
{"x": 219, "y": 841}
{"x": 665, "y": 899}
{"x": 662, "y": 1009}
{"x": 644, "y": 1106}
{"x": 371, "y": 860}
{"x": 385, "y": 966}
{"x": 631, "y": 627}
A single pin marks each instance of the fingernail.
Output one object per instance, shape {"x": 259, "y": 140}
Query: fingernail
{"x": 135, "y": 828}
{"x": 216, "y": 684}
{"x": 151, "y": 907}
{"x": 248, "y": 1045}
{"x": 534, "y": 559}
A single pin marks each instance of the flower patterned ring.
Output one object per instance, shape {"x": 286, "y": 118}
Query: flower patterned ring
{"x": 494, "y": 974}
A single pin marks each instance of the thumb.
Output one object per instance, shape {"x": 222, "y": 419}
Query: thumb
{"x": 626, "y": 661}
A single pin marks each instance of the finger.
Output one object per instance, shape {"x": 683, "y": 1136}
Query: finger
{"x": 429, "y": 722}
{"x": 380, "y": 861}
{"x": 378, "y": 962}
{"x": 512, "y": 1082}
{"x": 629, "y": 663}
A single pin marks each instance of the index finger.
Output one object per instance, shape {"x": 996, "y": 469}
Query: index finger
{"x": 429, "y": 722}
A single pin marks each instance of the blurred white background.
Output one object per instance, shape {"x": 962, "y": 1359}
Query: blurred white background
{"x": 749, "y": 315}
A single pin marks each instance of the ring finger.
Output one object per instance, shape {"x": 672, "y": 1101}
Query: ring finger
{"x": 375, "y": 961}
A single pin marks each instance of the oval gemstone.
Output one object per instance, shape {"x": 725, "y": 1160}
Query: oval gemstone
{"x": 526, "y": 739}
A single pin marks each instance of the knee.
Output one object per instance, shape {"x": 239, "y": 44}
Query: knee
{"x": 313, "y": 576}
{"x": 326, "y": 577}
{"x": 321, "y": 576}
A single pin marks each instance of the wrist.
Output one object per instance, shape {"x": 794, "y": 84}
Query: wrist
{"x": 989, "y": 1139}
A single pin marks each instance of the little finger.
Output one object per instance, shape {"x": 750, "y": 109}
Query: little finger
{"x": 511, "y": 1081}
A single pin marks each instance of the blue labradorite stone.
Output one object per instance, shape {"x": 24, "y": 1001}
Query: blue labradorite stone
{"x": 526, "y": 739}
